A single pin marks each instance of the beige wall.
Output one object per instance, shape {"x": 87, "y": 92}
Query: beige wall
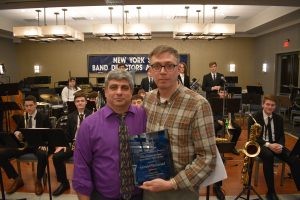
{"x": 8, "y": 58}
{"x": 266, "y": 48}
{"x": 58, "y": 58}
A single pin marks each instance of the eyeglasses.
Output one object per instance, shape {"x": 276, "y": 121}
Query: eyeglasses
{"x": 168, "y": 67}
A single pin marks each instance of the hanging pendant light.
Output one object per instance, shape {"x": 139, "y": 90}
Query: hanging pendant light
{"x": 188, "y": 30}
{"x": 137, "y": 31}
{"x": 27, "y": 32}
{"x": 219, "y": 29}
{"x": 107, "y": 31}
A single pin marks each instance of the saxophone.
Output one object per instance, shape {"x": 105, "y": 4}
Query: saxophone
{"x": 250, "y": 150}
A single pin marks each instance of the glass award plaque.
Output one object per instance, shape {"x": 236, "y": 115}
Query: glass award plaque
{"x": 151, "y": 156}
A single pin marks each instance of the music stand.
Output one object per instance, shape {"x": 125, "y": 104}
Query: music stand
{"x": 71, "y": 106}
{"x": 216, "y": 106}
{"x": 255, "y": 89}
{"x": 8, "y": 90}
{"x": 234, "y": 90}
{"x": 50, "y": 138}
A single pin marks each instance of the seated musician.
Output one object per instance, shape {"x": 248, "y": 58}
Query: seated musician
{"x": 31, "y": 119}
{"x": 137, "y": 100}
{"x": 219, "y": 124}
{"x": 67, "y": 94}
{"x": 236, "y": 132}
{"x": 62, "y": 154}
{"x": 272, "y": 141}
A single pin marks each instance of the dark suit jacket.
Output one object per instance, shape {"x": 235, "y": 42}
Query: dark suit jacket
{"x": 145, "y": 84}
{"x": 42, "y": 121}
{"x": 186, "y": 81}
{"x": 208, "y": 83}
{"x": 278, "y": 127}
{"x": 72, "y": 123}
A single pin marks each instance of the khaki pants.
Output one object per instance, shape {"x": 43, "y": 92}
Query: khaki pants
{"x": 171, "y": 195}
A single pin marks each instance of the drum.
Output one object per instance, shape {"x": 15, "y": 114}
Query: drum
{"x": 43, "y": 107}
{"x": 62, "y": 122}
{"x": 57, "y": 110}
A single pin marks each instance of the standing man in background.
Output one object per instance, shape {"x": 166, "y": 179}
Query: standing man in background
{"x": 212, "y": 81}
{"x": 189, "y": 120}
{"x": 183, "y": 77}
{"x": 148, "y": 83}
{"x": 102, "y": 166}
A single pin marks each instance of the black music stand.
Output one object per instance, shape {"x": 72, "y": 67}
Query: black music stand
{"x": 255, "y": 89}
{"x": 8, "y": 90}
{"x": 247, "y": 188}
{"x": 216, "y": 106}
{"x": 251, "y": 99}
{"x": 71, "y": 106}
{"x": 50, "y": 138}
{"x": 234, "y": 90}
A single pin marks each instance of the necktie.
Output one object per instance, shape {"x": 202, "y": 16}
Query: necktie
{"x": 269, "y": 130}
{"x": 126, "y": 172}
{"x": 81, "y": 118}
{"x": 215, "y": 76}
{"x": 30, "y": 122}
{"x": 150, "y": 84}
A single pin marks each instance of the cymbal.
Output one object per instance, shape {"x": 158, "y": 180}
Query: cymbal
{"x": 86, "y": 89}
{"x": 51, "y": 97}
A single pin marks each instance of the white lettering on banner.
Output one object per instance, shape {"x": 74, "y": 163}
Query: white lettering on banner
{"x": 100, "y": 67}
{"x": 119, "y": 59}
{"x": 135, "y": 67}
{"x": 113, "y": 67}
{"x": 137, "y": 59}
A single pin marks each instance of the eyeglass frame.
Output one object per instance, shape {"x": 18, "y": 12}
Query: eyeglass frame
{"x": 168, "y": 67}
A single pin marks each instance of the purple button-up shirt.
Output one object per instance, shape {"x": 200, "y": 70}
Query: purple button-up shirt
{"x": 96, "y": 156}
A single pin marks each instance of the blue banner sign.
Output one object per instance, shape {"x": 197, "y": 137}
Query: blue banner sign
{"x": 106, "y": 63}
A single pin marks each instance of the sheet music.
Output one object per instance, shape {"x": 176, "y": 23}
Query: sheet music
{"x": 218, "y": 174}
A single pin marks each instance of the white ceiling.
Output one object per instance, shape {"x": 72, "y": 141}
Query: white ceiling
{"x": 252, "y": 20}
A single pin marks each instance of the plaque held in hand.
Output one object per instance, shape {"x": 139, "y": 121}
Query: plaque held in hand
{"x": 151, "y": 156}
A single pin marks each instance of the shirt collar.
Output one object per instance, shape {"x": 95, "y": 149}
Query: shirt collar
{"x": 109, "y": 112}
{"x": 33, "y": 115}
{"x": 172, "y": 97}
{"x": 265, "y": 116}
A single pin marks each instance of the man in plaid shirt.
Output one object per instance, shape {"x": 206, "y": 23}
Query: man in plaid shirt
{"x": 189, "y": 120}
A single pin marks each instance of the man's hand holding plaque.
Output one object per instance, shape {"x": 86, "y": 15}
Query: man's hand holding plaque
{"x": 151, "y": 159}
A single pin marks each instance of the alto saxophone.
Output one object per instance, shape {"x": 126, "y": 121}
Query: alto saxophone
{"x": 250, "y": 150}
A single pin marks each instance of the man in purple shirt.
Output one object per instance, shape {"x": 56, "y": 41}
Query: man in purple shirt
{"x": 97, "y": 153}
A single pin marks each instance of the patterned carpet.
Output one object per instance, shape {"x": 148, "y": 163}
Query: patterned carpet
{"x": 31, "y": 196}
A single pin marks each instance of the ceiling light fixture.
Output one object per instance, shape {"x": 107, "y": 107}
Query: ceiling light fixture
{"x": 48, "y": 33}
{"x": 218, "y": 30}
{"x": 188, "y": 30}
{"x": 108, "y": 31}
{"x": 198, "y": 31}
{"x": 137, "y": 31}
{"x": 27, "y": 32}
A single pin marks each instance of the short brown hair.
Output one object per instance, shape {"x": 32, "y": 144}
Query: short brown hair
{"x": 212, "y": 63}
{"x": 79, "y": 94}
{"x": 270, "y": 97}
{"x": 136, "y": 97}
{"x": 30, "y": 98}
{"x": 121, "y": 64}
{"x": 164, "y": 49}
